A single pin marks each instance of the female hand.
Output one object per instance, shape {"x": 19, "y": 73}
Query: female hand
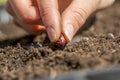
{"x": 54, "y": 16}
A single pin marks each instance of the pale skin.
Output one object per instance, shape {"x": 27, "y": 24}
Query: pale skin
{"x": 54, "y": 16}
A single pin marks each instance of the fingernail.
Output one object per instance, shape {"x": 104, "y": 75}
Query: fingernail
{"x": 69, "y": 31}
{"x": 52, "y": 34}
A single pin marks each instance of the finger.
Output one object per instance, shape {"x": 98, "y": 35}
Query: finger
{"x": 25, "y": 10}
{"x": 32, "y": 29}
{"x": 51, "y": 18}
{"x": 75, "y": 16}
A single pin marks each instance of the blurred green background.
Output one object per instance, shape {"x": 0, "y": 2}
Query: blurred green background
{"x": 2, "y": 2}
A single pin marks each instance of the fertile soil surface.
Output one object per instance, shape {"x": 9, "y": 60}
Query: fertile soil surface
{"x": 94, "y": 48}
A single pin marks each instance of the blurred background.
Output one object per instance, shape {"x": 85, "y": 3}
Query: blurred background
{"x": 2, "y": 1}
{"x": 4, "y": 17}
{"x": 8, "y": 30}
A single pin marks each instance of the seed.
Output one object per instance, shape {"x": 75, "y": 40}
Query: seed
{"x": 62, "y": 42}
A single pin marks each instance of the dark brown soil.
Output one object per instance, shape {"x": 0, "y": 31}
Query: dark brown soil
{"x": 97, "y": 47}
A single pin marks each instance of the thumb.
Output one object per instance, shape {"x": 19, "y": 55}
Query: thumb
{"x": 75, "y": 16}
{"x": 51, "y": 18}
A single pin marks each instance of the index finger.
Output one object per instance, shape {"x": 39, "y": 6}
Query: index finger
{"x": 51, "y": 18}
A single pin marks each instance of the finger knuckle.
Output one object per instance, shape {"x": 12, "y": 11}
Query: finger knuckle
{"x": 45, "y": 12}
{"x": 27, "y": 19}
{"x": 46, "y": 16}
{"x": 79, "y": 15}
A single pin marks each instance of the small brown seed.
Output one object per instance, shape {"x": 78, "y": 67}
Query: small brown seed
{"x": 62, "y": 42}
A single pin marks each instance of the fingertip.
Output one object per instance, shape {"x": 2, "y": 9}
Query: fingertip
{"x": 34, "y": 30}
{"x": 52, "y": 34}
{"x": 68, "y": 32}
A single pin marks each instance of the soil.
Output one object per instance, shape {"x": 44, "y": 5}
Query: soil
{"x": 94, "y": 48}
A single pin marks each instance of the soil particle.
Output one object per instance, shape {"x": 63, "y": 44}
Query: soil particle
{"x": 97, "y": 47}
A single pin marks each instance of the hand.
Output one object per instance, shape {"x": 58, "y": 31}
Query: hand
{"x": 75, "y": 15}
{"x": 54, "y": 16}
